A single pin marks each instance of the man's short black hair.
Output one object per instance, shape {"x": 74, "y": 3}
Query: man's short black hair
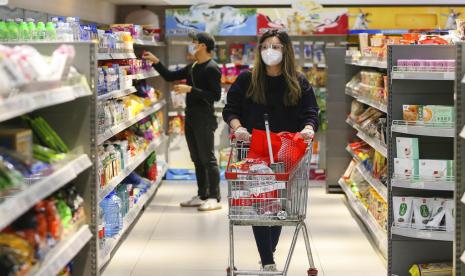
{"x": 205, "y": 38}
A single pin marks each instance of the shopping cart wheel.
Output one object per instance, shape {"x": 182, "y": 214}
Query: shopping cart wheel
{"x": 312, "y": 272}
{"x": 282, "y": 215}
{"x": 228, "y": 271}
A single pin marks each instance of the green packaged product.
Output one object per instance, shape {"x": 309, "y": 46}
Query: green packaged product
{"x": 46, "y": 135}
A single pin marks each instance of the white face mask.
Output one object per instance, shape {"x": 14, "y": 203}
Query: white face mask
{"x": 272, "y": 57}
{"x": 192, "y": 49}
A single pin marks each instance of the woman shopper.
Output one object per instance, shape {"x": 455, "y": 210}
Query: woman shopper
{"x": 203, "y": 88}
{"x": 274, "y": 87}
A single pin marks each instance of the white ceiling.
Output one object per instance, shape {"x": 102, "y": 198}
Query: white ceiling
{"x": 287, "y": 2}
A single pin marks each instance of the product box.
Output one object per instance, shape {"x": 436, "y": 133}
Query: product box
{"x": 411, "y": 112}
{"x": 406, "y": 167}
{"x": 407, "y": 148}
{"x": 437, "y": 114}
{"x": 437, "y": 169}
{"x": 19, "y": 140}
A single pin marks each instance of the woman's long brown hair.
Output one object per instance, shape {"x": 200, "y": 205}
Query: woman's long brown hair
{"x": 257, "y": 87}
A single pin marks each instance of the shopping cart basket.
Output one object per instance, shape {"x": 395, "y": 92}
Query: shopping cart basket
{"x": 265, "y": 198}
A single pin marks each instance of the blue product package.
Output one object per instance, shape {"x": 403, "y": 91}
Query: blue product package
{"x": 180, "y": 174}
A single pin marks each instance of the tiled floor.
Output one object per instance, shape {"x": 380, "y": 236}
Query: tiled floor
{"x": 173, "y": 241}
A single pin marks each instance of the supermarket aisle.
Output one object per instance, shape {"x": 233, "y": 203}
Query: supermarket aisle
{"x": 171, "y": 241}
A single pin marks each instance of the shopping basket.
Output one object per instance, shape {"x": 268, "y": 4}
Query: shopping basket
{"x": 260, "y": 197}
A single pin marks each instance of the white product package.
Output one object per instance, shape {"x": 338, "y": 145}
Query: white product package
{"x": 403, "y": 208}
{"x": 450, "y": 215}
{"x": 61, "y": 61}
{"x": 436, "y": 169}
{"x": 407, "y": 148}
{"x": 438, "y": 212}
{"x": 422, "y": 212}
{"x": 405, "y": 168}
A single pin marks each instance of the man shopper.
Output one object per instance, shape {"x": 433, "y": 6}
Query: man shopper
{"x": 203, "y": 88}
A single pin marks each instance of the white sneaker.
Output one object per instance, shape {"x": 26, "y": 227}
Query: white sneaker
{"x": 210, "y": 205}
{"x": 193, "y": 202}
{"x": 270, "y": 267}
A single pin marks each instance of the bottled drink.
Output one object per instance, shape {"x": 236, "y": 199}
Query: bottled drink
{"x": 113, "y": 221}
{"x": 32, "y": 28}
{"x": 50, "y": 32}
{"x": 75, "y": 28}
{"x": 24, "y": 34}
{"x": 13, "y": 33}
{"x": 40, "y": 31}
{"x": 3, "y": 31}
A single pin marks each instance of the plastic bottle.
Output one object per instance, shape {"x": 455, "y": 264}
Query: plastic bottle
{"x": 40, "y": 31}
{"x": 13, "y": 33}
{"x": 75, "y": 28}
{"x": 3, "y": 31}
{"x": 50, "y": 31}
{"x": 60, "y": 30}
{"x": 24, "y": 33}
{"x": 113, "y": 220}
{"x": 32, "y": 28}
{"x": 101, "y": 228}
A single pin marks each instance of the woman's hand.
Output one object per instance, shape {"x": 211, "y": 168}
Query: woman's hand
{"x": 242, "y": 134}
{"x": 307, "y": 133}
{"x": 182, "y": 89}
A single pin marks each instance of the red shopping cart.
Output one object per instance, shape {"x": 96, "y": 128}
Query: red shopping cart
{"x": 259, "y": 196}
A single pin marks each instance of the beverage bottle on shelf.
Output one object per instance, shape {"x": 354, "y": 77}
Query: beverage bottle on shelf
{"x": 67, "y": 32}
{"x": 41, "y": 31}
{"x": 13, "y": 33}
{"x": 50, "y": 32}
{"x": 3, "y": 31}
{"x": 24, "y": 34}
{"x": 75, "y": 27}
{"x": 101, "y": 228}
{"x": 60, "y": 30}
{"x": 113, "y": 221}
{"x": 32, "y": 28}
{"x": 55, "y": 21}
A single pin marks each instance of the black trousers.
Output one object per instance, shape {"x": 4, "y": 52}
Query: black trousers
{"x": 267, "y": 239}
{"x": 200, "y": 135}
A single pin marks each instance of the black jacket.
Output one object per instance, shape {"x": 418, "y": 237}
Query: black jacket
{"x": 281, "y": 117}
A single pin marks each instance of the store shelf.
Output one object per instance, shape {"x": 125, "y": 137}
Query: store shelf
{"x": 117, "y": 93}
{"x": 373, "y": 142}
{"x": 25, "y": 102}
{"x": 352, "y": 123}
{"x": 146, "y": 75}
{"x": 112, "y": 243}
{"x": 111, "y": 185}
{"x": 425, "y": 129}
{"x": 423, "y": 184}
{"x": 379, "y": 187}
{"x": 349, "y": 150}
{"x": 122, "y": 126}
{"x": 107, "y": 56}
{"x": 62, "y": 253}
{"x": 376, "y": 231}
{"x": 422, "y": 75}
{"x": 422, "y": 234}
{"x": 365, "y": 62}
{"x": 142, "y": 42}
{"x": 379, "y": 106}
{"x": 16, "y": 205}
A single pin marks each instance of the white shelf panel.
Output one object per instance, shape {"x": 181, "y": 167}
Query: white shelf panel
{"x": 373, "y": 142}
{"x": 423, "y": 234}
{"x": 130, "y": 168}
{"x": 124, "y": 125}
{"x": 425, "y": 129}
{"x": 376, "y": 231}
{"x": 352, "y": 123}
{"x": 379, "y": 106}
{"x": 107, "y": 56}
{"x": 422, "y": 75}
{"x": 60, "y": 255}
{"x": 375, "y": 183}
{"x": 423, "y": 184}
{"x": 146, "y": 75}
{"x": 142, "y": 42}
{"x": 129, "y": 219}
{"x": 117, "y": 93}
{"x": 367, "y": 63}
{"x": 25, "y": 102}
{"x": 16, "y": 205}
{"x": 462, "y": 133}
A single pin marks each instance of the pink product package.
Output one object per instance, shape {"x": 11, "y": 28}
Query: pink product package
{"x": 402, "y": 63}
{"x": 450, "y": 65}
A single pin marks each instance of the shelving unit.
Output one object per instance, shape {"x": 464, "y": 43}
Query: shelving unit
{"x": 377, "y": 232}
{"x": 366, "y": 62}
{"x": 369, "y": 102}
{"x": 140, "y": 42}
{"x": 117, "y": 93}
{"x": 110, "y": 56}
{"x": 411, "y": 246}
{"x": 373, "y": 142}
{"x": 129, "y": 220}
{"x": 57, "y": 103}
{"x": 459, "y": 156}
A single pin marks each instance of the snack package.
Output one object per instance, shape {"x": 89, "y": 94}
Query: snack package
{"x": 249, "y": 53}
{"x": 296, "y": 46}
{"x": 319, "y": 52}
{"x": 411, "y": 112}
{"x": 403, "y": 209}
{"x": 437, "y": 114}
{"x": 436, "y": 169}
{"x": 405, "y": 167}
{"x": 433, "y": 269}
{"x": 407, "y": 148}
{"x": 308, "y": 50}
{"x": 422, "y": 208}
{"x": 438, "y": 212}
{"x": 236, "y": 52}
{"x": 450, "y": 214}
